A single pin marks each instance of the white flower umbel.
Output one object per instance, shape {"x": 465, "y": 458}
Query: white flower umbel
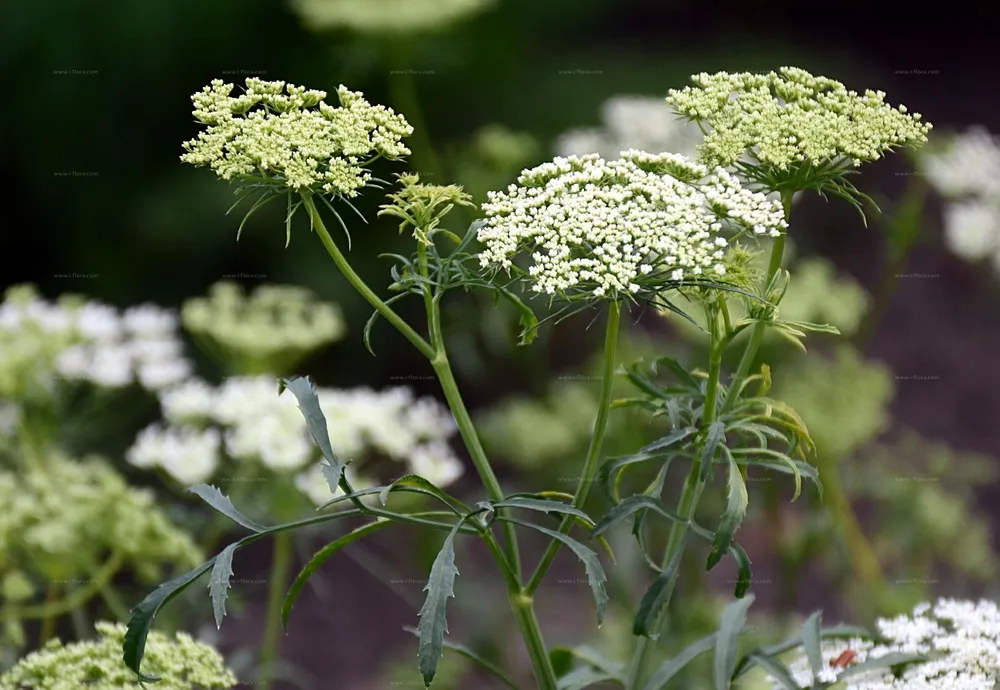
{"x": 386, "y": 16}
{"x": 961, "y": 639}
{"x": 288, "y": 136}
{"x": 786, "y": 118}
{"x": 608, "y": 228}
{"x": 966, "y": 165}
{"x": 644, "y": 123}
{"x": 246, "y": 420}
{"x": 74, "y": 340}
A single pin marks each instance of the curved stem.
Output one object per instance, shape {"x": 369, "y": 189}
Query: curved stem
{"x": 280, "y": 567}
{"x": 596, "y": 441}
{"x": 355, "y": 280}
{"x": 690, "y": 495}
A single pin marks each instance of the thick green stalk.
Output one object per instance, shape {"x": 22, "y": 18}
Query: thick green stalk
{"x": 280, "y": 568}
{"x": 690, "y": 495}
{"x": 355, "y": 280}
{"x": 757, "y": 331}
{"x": 596, "y": 441}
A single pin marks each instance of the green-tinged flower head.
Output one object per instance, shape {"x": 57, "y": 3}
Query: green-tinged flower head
{"x": 793, "y": 125}
{"x": 288, "y": 137}
{"x": 268, "y": 331}
{"x": 607, "y": 229}
{"x": 182, "y": 663}
{"x": 61, "y": 516}
{"x": 423, "y": 206}
{"x": 386, "y": 16}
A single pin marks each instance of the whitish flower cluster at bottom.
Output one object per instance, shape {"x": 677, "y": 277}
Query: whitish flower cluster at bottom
{"x": 962, "y": 637}
{"x": 182, "y": 663}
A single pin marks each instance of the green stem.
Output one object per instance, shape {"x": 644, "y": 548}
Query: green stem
{"x": 280, "y": 568}
{"x": 690, "y": 495}
{"x": 596, "y": 441}
{"x": 757, "y": 331}
{"x": 355, "y": 280}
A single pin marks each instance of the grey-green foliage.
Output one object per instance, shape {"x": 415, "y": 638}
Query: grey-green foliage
{"x": 182, "y": 662}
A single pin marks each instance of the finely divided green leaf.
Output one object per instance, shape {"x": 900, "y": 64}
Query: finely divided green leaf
{"x": 736, "y": 509}
{"x": 218, "y": 500}
{"x": 591, "y": 563}
{"x": 433, "y": 626}
{"x": 218, "y": 582}
{"x": 675, "y": 664}
{"x": 669, "y": 440}
{"x": 319, "y": 558}
{"x": 730, "y": 628}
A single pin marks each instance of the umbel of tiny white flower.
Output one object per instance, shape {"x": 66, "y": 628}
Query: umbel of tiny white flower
{"x": 182, "y": 662}
{"x": 289, "y": 137}
{"x": 268, "y": 331}
{"x": 960, "y": 639}
{"x": 793, "y": 122}
{"x": 386, "y": 16}
{"x": 606, "y": 229}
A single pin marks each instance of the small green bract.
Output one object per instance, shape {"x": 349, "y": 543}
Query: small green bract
{"x": 183, "y": 663}
{"x": 789, "y": 117}
{"x": 287, "y": 136}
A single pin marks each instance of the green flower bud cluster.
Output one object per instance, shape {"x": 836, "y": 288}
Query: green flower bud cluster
{"x": 268, "y": 331}
{"x": 62, "y": 516}
{"x": 790, "y": 117}
{"x": 182, "y": 663}
{"x": 386, "y": 16}
{"x": 422, "y": 206}
{"x": 288, "y": 136}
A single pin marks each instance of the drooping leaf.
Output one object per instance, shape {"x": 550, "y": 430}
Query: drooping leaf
{"x": 736, "y": 510}
{"x": 417, "y": 484}
{"x": 678, "y": 370}
{"x": 669, "y": 440}
{"x": 319, "y": 558}
{"x": 218, "y": 500}
{"x": 137, "y": 629}
{"x": 595, "y": 573}
{"x": 715, "y": 435}
{"x": 527, "y": 318}
{"x": 367, "y": 332}
{"x": 730, "y": 629}
{"x": 676, "y": 663}
{"x": 775, "y": 668}
{"x": 305, "y": 393}
{"x": 654, "y": 600}
{"x": 631, "y": 505}
{"x": 218, "y": 584}
{"x": 433, "y": 624}
{"x": 473, "y": 656}
{"x": 544, "y": 506}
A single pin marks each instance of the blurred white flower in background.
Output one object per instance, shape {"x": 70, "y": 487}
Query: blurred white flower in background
{"x": 965, "y": 170}
{"x": 44, "y": 344}
{"x": 386, "y": 16}
{"x": 255, "y": 424}
{"x": 645, "y": 123}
